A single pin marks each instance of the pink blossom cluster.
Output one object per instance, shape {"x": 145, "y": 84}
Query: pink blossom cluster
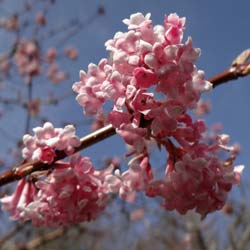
{"x": 144, "y": 60}
{"x": 46, "y": 140}
{"x": 72, "y": 193}
{"x": 198, "y": 179}
{"x": 152, "y": 81}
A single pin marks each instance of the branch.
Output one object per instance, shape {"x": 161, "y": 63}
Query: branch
{"x": 239, "y": 68}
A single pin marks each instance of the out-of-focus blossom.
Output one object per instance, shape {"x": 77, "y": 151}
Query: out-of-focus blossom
{"x": 34, "y": 107}
{"x": 27, "y": 58}
{"x": 202, "y": 108}
{"x": 51, "y": 54}
{"x": 4, "y": 66}
{"x": 40, "y": 19}
{"x": 71, "y": 53}
{"x": 10, "y": 24}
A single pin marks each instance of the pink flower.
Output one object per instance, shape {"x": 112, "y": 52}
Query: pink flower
{"x": 137, "y": 20}
{"x": 144, "y": 60}
{"x": 174, "y": 28}
{"x": 145, "y": 78}
{"x": 47, "y": 154}
{"x": 46, "y": 140}
{"x": 89, "y": 91}
{"x": 133, "y": 136}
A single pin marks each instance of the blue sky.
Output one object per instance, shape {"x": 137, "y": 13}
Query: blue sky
{"x": 219, "y": 28}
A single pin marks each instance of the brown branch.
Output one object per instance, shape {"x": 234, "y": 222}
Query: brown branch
{"x": 239, "y": 68}
{"x": 232, "y": 73}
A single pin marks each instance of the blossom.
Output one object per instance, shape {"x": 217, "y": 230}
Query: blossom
{"x": 72, "y": 193}
{"x": 174, "y": 28}
{"x": 40, "y": 18}
{"x": 202, "y": 107}
{"x": 137, "y": 20}
{"x": 142, "y": 58}
{"x": 46, "y": 140}
{"x": 131, "y": 181}
{"x": 71, "y": 53}
{"x": 51, "y": 54}
{"x": 199, "y": 182}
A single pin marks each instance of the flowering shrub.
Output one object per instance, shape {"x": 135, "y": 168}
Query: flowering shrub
{"x": 153, "y": 84}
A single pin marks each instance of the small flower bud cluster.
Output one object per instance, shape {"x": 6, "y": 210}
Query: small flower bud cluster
{"x": 46, "y": 140}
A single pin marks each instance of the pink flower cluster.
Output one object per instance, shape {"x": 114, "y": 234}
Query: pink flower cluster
{"x": 198, "y": 179}
{"x": 152, "y": 81}
{"x": 46, "y": 140}
{"x": 143, "y": 59}
{"x": 72, "y": 193}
